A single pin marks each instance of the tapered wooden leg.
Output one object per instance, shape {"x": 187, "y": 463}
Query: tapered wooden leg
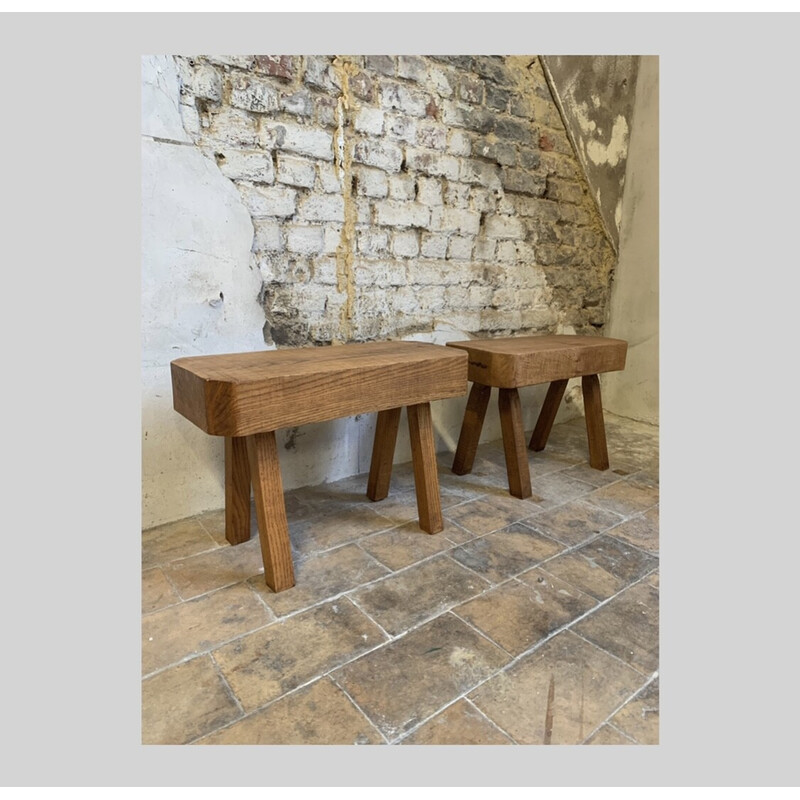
{"x": 426, "y": 477}
{"x": 595, "y": 426}
{"x": 237, "y": 490}
{"x": 519, "y": 474}
{"x": 380, "y": 470}
{"x": 273, "y": 529}
{"x": 544, "y": 423}
{"x": 471, "y": 428}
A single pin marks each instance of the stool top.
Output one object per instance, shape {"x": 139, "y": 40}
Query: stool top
{"x": 237, "y": 394}
{"x": 513, "y": 361}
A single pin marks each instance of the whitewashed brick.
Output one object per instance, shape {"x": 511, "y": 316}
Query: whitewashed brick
{"x": 455, "y": 219}
{"x": 502, "y": 227}
{"x": 371, "y": 182}
{"x": 333, "y": 238}
{"x": 373, "y": 243}
{"x": 459, "y": 143}
{"x": 268, "y": 201}
{"x": 401, "y": 187}
{"x": 402, "y": 128}
{"x": 431, "y": 162}
{"x": 432, "y": 135}
{"x": 369, "y": 120}
{"x": 206, "y": 83}
{"x": 296, "y": 171}
{"x": 382, "y": 154}
{"x": 267, "y": 236}
{"x": 329, "y": 178}
{"x": 246, "y": 165}
{"x": 457, "y": 194}
{"x": 440, "y": 80}
{"x": 429, "y": 191}
{"x": 480, "y": 172}
{"x": 325, "y": 269}
{"x": 252, "y": 94}
{"x": 402, "y": 214}
{"x": 322, "y": 208}
{"x": 412, "y": 67}
{"x": 460, "y": 247}
{"x": 434, "y": 245}
{"x": 485, "y": 249}
{"x": 304, "y": 239}
{"x": 406, "y": 244}
{"x": 397, "y": 96}
{"x": 507, "y": 252}
{"x": 300, "y": 139}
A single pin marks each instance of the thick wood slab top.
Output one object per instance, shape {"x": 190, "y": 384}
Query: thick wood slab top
{"x": 514, "y": 361}
{"x": 239, "y": 394}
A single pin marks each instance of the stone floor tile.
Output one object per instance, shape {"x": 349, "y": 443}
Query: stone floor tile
{"x": 408, "y": 680}
{"x": 602, "y": 567}
{"x": 624, "y": 498}
{"x": 420, "y": 592}
{"x": 498, "y": 556}
{"x": 460, "y": 723}
{"x": 405, "y": 545}
{"x": 283, "y": 656}
{"x": 157, "y": 591}
{"x": 335, "y": 527}
{"x": 196, "y": 626}
{"x": 316, "y": 714}
{"x": 184, "y": 702}
{"x": 627, "y": 627}
{"x": 574, "y": 522}
{"x": 180, "y": 539}
{"x": 556, "y": 488}
{"x": 639, "y": 717}
{"x": 517, "y": 614}
{"x": 321, "y": 576}
{"x": 486, "y": 515}
{"x": 558, "y": 694}
{"x": 608, "y": 735}
{"x": 224, "y": 566}
{"x": 641, "y": 531}
{"x": 587, "y": 474}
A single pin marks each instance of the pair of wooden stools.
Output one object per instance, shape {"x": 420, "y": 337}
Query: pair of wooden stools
{"x": 246, "y": 397}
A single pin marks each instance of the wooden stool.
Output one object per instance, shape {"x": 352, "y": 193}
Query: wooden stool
{"x": 246, "y": 397}
{"x": 511, "y": 362}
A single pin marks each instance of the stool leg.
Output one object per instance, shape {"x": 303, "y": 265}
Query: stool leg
{"x": 426, "y": 477}
{"x": 519, "y": 474}
{"x": 595, "y": 427}
{"x": 380, "y": 469}
{"x": 471, "y": 428}
{"x": 237, "y": 490}
{"x": 544, "y": 424}
{"x": 273, "y": 529}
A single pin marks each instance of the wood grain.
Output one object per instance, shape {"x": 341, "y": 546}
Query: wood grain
{"x": 426, "y": 478}
{"x": 380, "y": 469}
{"x": 519, "y": 474}
{"x": 595, "y": 426}
{"x": 237, "y": 490}
{"x": 242, "y": 393}
{"x": 273, "y": 528}
{"x": 471, "y": 427}
{"x": 547, "y": 415}
{"x": 514, "y": 361}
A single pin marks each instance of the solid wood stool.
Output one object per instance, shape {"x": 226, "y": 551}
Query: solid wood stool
{"x": 511, "y": 362}
{"x": 246, "y": 397}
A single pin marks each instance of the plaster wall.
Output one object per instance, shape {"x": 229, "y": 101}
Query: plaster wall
{"x": 634, "y": 307}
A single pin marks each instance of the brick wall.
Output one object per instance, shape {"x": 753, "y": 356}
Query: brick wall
{"x": 391, "y": 194}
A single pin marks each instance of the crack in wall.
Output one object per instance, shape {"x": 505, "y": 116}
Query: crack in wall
{"x": 346, "y": 104}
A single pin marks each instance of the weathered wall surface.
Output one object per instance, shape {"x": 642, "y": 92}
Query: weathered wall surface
{"x": 317, "y": 200}
{"x": 634, "y": 309}
{"x": 596, "y": 97}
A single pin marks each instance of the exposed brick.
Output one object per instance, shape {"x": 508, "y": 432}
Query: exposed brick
{"x": 304, "y": 239}
{"x": 301, "y": 139}
{"x": 382, "y": 154}
{"x": 453, "y": 113}
{"x": 402, "y": 187}
{"x": 371, "y": 182}
{"x": 515, "y": 130}
{"x": 384, "y": 65}
{"x": 462, "y": 62}
{"x": 396, "y": 96}
{"x": 432, "y": 135}
{"x": 361, "y": 85}
{"x": 460, "y": 247}
{"x": 520, "y": 106}
{"x": 480, "y": 172}
{"x": 563, "y": 191}
{"x": 298, "y": 103}
{"x": 369, "y": 120}
{"x": 326, "y": 111}
{"x": 429, "y": 191}
{"x": 522, "y": 181}
{"x": 493, "y": 68}
{"x": 405, "y": 244}
{"x": 277, "y": 66}
{"x": 268, "y": 201}
{"x": 412, "y": 67}
{"x": 434, "y": 245}
{"x": 246, "y": 165}
{"x": 455, "y": 219}
{"x": 322, "y": 208}
{"x": 242, "y": 62}
{"x": 431, "y": 162}
{"x": 251, "y": 94}
{"x": 402, "y": 214}
{"x": 470, "y": 89}
{"x": 499, "y": 151}
{"x": 501, "y": 227}
{"x": 529, "y": 158}
{"x": 497, "y": 98}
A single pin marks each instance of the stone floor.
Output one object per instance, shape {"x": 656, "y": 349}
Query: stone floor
{"x": 523, "y": 622}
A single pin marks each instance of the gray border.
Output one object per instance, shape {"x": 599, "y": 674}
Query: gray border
{"x": 71, "y": 590}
